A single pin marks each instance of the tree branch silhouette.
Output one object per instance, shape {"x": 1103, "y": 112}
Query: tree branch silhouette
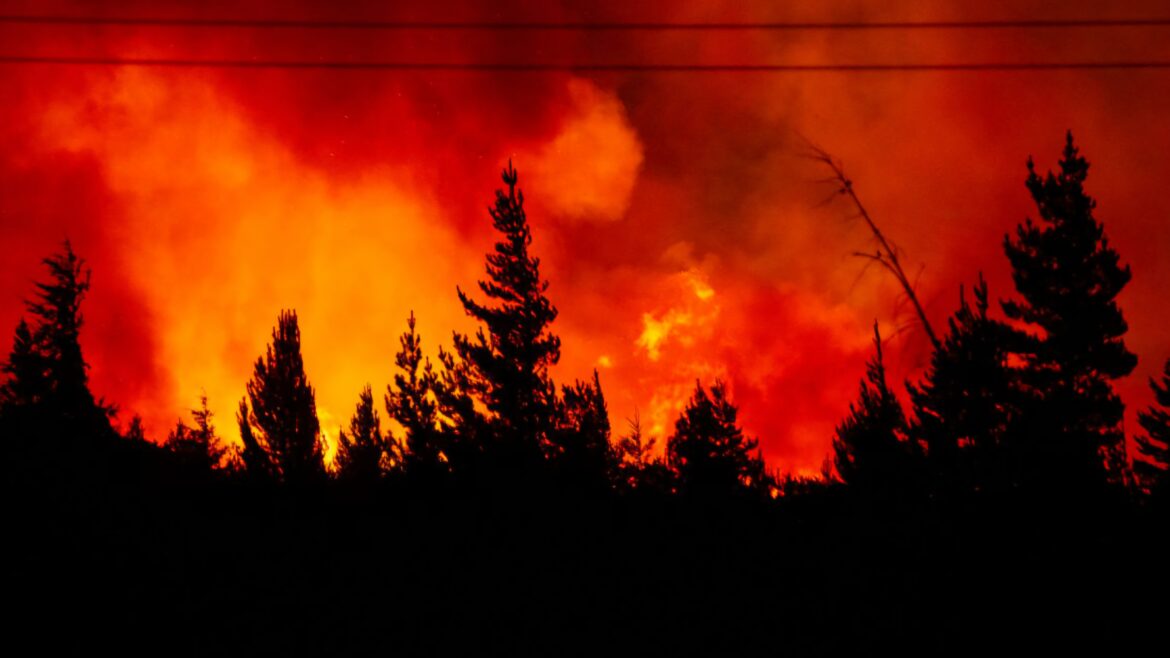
{"x": 887, "y": 252}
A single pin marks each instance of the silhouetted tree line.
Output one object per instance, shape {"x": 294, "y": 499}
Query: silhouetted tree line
{"x": 1024, "y": 405}
{"x": 477, "y": 507}
{"x": 1021, "y": 406}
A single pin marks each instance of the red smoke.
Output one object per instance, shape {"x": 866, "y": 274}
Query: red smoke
{"x": 682, "y": 231}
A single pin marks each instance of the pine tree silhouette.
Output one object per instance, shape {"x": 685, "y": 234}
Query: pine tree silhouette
{"x": 283, "y": 418}
{"x": 580, "y": 447}
{"x": 965, "y": 405}
{"x": 362, "y": 453}
{"x": 709, "y": 452}
{"x": 411, "y": 402}
{"x": 506, "y": 363}
{"x": 1155, "y": 445}
{"x": 47, "y": 389}
{"x": 1069, "y": 277}
{"x": 198, "y": 446}
{"x": 872, "y": 454}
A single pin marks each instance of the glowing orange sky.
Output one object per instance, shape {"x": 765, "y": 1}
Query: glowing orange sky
{"x": 682, "y": 231}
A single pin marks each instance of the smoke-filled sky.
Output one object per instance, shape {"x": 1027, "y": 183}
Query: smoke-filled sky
{"x": 685, "y": 234}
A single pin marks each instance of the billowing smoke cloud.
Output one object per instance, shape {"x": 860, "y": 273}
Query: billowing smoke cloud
{"x": 684, "y": 234}
{"x": 589, "y": 169}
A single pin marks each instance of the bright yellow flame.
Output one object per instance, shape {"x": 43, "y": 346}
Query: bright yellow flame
{"x": 656, "y": 331}
{"x": 223, "y": 227}
{"x": 698, "y": 283}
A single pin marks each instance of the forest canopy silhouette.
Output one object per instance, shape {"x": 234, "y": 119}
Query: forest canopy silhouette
{"x": 1019, "y": 404}
{"x": 1016, "y": 416}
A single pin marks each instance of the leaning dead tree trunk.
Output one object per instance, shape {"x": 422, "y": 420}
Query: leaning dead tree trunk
{"x": 886, "y": 253}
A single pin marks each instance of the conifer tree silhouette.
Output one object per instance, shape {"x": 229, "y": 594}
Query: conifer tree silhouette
{"x": 965, "y": 405}
{"x": 580, "y": 447}
{"x": 257, "y": 465}
{"x": 198, "y": 446}
{"x": 872, "y": 454}
{"x": 47, "y": 389}
{"x": 506, "y": 363}
{"x": 411, "y": 402}
{"x": 362, "y": 453}
{"x": 634, "y": 447}
{"x": 27, "y": 383}
{"x": 1068, "y": 278}
{"x": 282, "y": 422}
{"x": 463, "y": 429}
{"x": 135, "y": 431}
{"x": 638, "y": 468}
{"x": 1155, "y": 445}
{"x": 708, "y": 451}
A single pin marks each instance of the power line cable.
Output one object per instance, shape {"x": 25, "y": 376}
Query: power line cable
{"x": 540, "y": 67}
{"x": 127, "y": 21}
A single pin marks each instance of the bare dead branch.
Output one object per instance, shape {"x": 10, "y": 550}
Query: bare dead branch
{"x": 887, "y": 253}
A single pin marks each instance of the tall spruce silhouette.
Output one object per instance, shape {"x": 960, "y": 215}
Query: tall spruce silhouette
{"x": 709, "y": 452}
{"x": 282, "y": 422}
{"x": 363, "y": 452}
{"x": 411, "y": 402}
{"x": 964, "y": 407}
{"x": 47, "y": 386}
{"x": 1068, "y": 278}
{"x": 506, "y": 363}
{"x": 1155, "y": 445}
{"x": 197, "y": 445}
{"x": 871, "y": 452}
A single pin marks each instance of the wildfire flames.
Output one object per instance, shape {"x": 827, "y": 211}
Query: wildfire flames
{"x": 683, "y": 234}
